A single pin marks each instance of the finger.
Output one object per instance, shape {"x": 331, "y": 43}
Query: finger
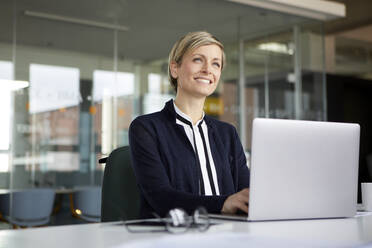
{"x": 243, "y": 198}
{"x": 243, "y": 207}
{"x": 246, "y": 191}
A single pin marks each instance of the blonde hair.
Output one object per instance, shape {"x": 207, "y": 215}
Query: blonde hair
{"x": 190, "y": 42}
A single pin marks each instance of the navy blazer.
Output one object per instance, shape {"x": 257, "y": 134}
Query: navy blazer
{"x": 165, "y": 164}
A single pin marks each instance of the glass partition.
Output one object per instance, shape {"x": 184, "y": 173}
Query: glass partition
{"x": 282, "y": 69}
{"x": 91, "y": 73}
{"x": 52, "y": 139}
{"x": 7, "y": 89}
{"x": 6, "y": 76}
{"x": 91, "y": 67}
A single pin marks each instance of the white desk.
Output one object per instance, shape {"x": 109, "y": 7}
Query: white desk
{"x": 306, "y": 233}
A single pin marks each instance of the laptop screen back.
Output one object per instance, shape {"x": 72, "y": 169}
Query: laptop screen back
{"x": 303, "y": 169}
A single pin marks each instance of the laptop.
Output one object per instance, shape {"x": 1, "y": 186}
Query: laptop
{"x": 302, "y": 170}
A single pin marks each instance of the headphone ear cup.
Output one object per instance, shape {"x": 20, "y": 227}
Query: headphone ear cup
{"x": 178, "y": 221}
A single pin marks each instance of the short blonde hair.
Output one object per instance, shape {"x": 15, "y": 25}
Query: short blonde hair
{"x": 190, "y": 42}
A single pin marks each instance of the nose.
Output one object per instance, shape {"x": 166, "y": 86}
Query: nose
{"x": 206, "y": 68}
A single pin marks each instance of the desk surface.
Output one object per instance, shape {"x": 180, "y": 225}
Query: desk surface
{"x": 304, "y": 233}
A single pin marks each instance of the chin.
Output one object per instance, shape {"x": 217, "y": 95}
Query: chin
{"x": 201, "y": 92}
{"x": 205, "y": 93}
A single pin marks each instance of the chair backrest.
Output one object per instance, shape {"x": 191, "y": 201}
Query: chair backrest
{"x": 4, "y": 205}
{"x": 88, "y": 201}
{"x": 31, "y": 207}
{"x": 120, "y": 194}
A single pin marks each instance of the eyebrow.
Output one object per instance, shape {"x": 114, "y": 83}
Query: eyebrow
{"x": 219, "y": 59}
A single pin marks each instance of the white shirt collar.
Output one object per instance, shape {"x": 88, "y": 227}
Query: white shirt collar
{"x": 182, "y": 114}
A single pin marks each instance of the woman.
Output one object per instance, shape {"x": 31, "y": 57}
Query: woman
{"x": 181, "y": 157}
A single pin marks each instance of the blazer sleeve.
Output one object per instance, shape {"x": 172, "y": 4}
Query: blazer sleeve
{"x": 240, "y": 163}
{"x": 152, "y": 177}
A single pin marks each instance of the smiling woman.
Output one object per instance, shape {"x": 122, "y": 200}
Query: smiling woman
{"x": 198, "y": 74}
{"x": 181, "y": 157}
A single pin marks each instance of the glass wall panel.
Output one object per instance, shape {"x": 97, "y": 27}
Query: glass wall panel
{"x": 53, "y": 109}
{"x": 6, "y": 76}
{"x": 7, "y": 89}
{"x": 313, "y": 72}
{"x": 283, "y": 68}
{"x": 112, "y": 96}
{"x": 269, "y": 67}
{"x": 53, "y": 141}
{"x": 90, "y": 67}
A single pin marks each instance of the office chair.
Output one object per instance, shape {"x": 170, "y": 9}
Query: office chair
{"x": 120, "y": 194}
{"x": 31, "y": 207}
{"x": 86, "y": 203}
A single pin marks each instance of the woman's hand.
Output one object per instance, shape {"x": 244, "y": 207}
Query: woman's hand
{"x": 235, "y": 202}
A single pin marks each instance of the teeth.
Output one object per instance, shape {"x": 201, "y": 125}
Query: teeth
{"x": 205, "y": 81}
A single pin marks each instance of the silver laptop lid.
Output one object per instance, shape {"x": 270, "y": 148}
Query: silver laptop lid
{"x": 303, "y": 169}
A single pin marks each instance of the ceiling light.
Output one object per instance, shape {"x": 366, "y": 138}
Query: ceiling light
{"x": 75, "y": 20}
{"x": 315, "y": 9}
{"x": 276, "y": 47}
{"x": 291, "y": 78}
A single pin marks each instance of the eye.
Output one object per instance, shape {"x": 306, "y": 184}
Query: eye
{"x": 216, "y": 64}
{"x": 197, "y": 59}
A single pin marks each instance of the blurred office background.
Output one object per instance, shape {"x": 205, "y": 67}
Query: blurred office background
{"x": 74, "y": 74}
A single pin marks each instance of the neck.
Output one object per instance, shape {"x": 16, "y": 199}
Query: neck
{"x": 192, "y": 107}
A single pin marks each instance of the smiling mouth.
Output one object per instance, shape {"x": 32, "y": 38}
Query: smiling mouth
{"x": 203, "y": 80}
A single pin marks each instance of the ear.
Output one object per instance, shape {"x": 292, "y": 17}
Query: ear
{"x": 174, "y": 69}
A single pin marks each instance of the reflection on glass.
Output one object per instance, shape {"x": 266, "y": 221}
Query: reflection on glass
{"x": 155, "y": 100}
{"x": 6, "y": 72}
{"x": 4, "y": 162}
{"x": 53, "y": 87}
{"x": 112, "y": 100}
{"x": 154, "y": 81}
{"x": 109, "y": 83}
{"x": 54, "y": 99}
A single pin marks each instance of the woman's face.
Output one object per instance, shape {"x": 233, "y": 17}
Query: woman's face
{"x": 199, "y": 72}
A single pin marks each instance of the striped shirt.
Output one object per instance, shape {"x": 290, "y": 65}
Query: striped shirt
{"x": 198, "y": 137}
